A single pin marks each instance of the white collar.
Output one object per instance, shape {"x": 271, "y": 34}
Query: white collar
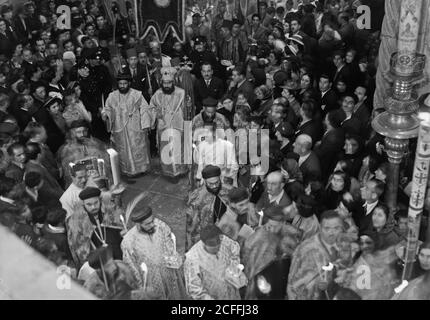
{"x": 304, "y": 158}
{"x": 56, "y": 229}
{"x": 277, "y": 198}
{"x": 240, "y": 83}
{"x": 324, "y": 92}
{"x": 10, "y": 201}
{"x": 370, "y": 207}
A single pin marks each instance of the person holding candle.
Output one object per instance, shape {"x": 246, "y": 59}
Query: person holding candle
{"x": 128, "y": 118}
{"x": 149, "y": 242}
{"x": 206, "y": 264}
{"x": 90, "y": 227}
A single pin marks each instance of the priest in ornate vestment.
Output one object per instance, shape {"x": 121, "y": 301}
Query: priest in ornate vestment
{"x": 128, "y": 119}
{"x": 206, "y": 266}
{"x": 150, "y": 242}
{"x": 168, "y": 109}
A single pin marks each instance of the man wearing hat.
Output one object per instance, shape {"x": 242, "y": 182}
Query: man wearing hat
{"x": 137, "y": 71}
{"x": 167, "y": 108}
{"x": 201, "y": 54}
{"x": 209, "y": 115}
{"x": 150, "y": 241}
{"x": 90, "y": 227}
{"x": 207, "y": 204}
{"x": 81, "y": 146}
{"x": 128, "y": 118}
{"x": 206, "y": 264}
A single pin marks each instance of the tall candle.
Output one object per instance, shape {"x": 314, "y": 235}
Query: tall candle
{"x": 114, "y": 163}
{"x": 174, "y": 242}
{"x": 409, "y": 24}
{"x": 144, "y": 269}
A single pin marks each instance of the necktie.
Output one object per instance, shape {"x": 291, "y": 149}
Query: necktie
{"x": 208, "y": 83}
{"x": 333, "y": 254}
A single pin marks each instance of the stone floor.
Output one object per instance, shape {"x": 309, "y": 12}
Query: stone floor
{"x": 166, "y": 198}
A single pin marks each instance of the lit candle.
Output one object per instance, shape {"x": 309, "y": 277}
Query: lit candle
{"x": 114, "y": 163}
{"x": 174, "y": 241}
{"x": 144, "y": 269}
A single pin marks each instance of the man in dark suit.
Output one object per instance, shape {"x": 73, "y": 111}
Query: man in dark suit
{"x": 207, "y": 86}
{"x": 137, "y": 71}
{"x": 308, "y": 125}
{"x": 241, "y": 85}
{"x": 309, "y": 163}
{"x": 370, "y": 194}
{"x": 341, "y": 69}
{"x": 7, "y": 41}
{"x": 329, "y": 99}
{"x": 274, "y": 195}
{"x": 350, "y": 124}
{"x": 361, "y": 109}
{"x": 331, "y": 144}
{"x": 21, "y": 28}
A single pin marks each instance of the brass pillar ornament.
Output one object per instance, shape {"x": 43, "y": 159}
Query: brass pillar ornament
{"x": 399, "y": 122}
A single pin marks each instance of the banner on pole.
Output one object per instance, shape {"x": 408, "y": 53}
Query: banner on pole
{"x": 161, "y": 17}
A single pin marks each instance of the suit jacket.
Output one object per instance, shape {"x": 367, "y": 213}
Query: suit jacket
{"x": 311, "y": 128}
{"x": 22, "y": 31}
{"x": 7, "y": 43}
{"x": 137, "y": 81}
{"x": 311, "y": 168}
{"x": 247, "y": 89}
{"x": 331, "y": 144}
{"x": 363, "y": 115}
{"x": 363, "y": 221}
{"x": 344, "y": 73}
{"x": 265, "y": 203}
{"x": 14, "y": 172}
{"x": 202, "y": 91}
{"x": 353, "y": 126}
{"x": 329, "y": 102}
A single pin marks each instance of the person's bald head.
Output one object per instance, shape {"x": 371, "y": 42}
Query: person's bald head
{"x": 303, "y": 145}
{"x": 275, "y": 183}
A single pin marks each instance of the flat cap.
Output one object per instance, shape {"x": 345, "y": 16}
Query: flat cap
{"x": 89, "y": 192}
{"x": 238, "y": 194}
{"x": 210, "y": 102}
{"x": 210, "y": 235}
{"x": 141, "y": 215}
{"x": 274, "y": 213}
{"x": 211, "y": 171}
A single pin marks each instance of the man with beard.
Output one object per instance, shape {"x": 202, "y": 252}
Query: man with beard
{"x": 128, "y": 119}
{"x": 150, "y": 242}
{"x": 90, "y": 227}
{"x": 209, "y": 114}
{"x": 81, "y": 146}
{"x": 167, "y": 106}
{"x": 308, "y": 281}
{"x": 206, "y": 205}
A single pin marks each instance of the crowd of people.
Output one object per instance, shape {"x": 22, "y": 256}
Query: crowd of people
{"x": 87, "y": 110}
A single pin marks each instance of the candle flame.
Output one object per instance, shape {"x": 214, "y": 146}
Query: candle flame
{"x": 328, "y": 267}
{"x": 401, "y": 287}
